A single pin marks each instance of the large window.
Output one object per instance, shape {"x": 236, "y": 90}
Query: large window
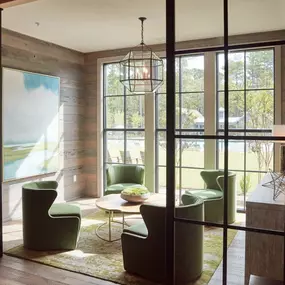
{"x": 123, "y": 121}
{"x": 251, "y": 112}
{"x": 189, "y": 154}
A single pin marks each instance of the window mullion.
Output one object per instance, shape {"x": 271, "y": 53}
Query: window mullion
{"x": 180, "y": 126}
{"x": 150, "y": 147}
{"x": 210, "y": 109}
{"x": 125, "y": 126}
{"x": 277, "y": 101}
{"x": 245, "y": 126}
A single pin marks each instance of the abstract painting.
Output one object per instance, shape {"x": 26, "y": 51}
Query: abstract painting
{"x": 30, "y": 123}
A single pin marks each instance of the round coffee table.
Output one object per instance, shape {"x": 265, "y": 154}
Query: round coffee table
{"x": 114, "y": 203}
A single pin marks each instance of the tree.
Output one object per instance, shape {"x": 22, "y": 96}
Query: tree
{"x": 189, "y": 106}
{"x": 187, "y": 119}
{"x": 136, "y": 120}
{"x": 252, "y": 70}
{"x": 260, "y": 104}
{"x": 115, "y": 101}
{"x": 112, "y": 84}
{"x": 192, "y": 79}
{"x": 245, "y": 183}
{"x": 261, "y": 116}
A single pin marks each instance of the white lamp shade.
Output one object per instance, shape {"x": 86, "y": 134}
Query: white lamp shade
{"x": 279, "y": 131}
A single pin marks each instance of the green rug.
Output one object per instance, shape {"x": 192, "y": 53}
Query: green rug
{"x": 104, "y": 260}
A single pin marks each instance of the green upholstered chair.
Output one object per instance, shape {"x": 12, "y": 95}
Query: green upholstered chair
{"x": 143, "y": 245}
{"x": 122, "y": 176}
{"x": 47, "y": 226}
{"x": 213, "y": 195}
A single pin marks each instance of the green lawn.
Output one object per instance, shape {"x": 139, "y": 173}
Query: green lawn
{"x": 193, "y": 158}
{"x": 190, "y": 178}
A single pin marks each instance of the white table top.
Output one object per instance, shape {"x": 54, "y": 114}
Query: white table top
{"x": 114, "y": 202}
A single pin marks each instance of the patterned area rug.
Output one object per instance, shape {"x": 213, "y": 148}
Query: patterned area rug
{"x": 104, "y": 260}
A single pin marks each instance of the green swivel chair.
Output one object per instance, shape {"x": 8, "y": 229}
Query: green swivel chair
{"x": 122, "y": 176}
{"x": 143, "y": 245}
{"x": 213, "y": 195}
{"x": 47, "y": 226}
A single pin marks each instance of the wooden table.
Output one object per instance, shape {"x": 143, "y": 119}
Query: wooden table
{"x": 114, "y": 203}
{"x": 264, "y": 253}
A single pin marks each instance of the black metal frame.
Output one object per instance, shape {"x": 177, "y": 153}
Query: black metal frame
{"x": 1, "y": 148}
{"x": 243, "y": 130}
{"x": 171, "y": 136}
{"x": 232, "y": 47}
{"x": 171, "y": 219}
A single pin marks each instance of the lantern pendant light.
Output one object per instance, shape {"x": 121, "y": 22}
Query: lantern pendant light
{"x": 141, "y": 70}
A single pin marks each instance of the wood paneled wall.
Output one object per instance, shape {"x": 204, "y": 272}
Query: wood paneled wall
{"x": 91, "y": 127}
{"x": 29, "y": 54}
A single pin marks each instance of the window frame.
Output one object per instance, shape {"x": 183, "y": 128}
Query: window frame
{"x": 179, "y": 130}
{"x": 244, "y": 131}
{"x": 105, "y": 61}
{"x": 105, "y": 129}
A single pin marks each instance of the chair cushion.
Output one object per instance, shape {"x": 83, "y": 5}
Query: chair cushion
{"x": 139, "y": 229}
{"x": 63, "y": 209}
{"x": 206, "y": 194}
{"x": 118, "y": 188}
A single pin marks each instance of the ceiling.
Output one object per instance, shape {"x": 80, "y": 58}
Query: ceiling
{"x": 93, "y": 25}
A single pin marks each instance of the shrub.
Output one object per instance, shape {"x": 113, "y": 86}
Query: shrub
{"x": 245, "y": 184}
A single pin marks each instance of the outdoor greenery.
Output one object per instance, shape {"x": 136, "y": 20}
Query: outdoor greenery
{"x": 116, "y": 100}
{"x": 251, "y": 81}
{"x": 251, "y": 108}
{"x": 189, "y": 102}
{"x": 245, "y": 184}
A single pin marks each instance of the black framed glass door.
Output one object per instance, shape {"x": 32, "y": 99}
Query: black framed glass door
{"x": 225, "y": 137}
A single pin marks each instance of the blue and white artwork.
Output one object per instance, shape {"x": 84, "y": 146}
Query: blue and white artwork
{"x": 30, "y": 123}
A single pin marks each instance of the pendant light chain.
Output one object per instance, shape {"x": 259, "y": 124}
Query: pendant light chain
{"x": 142, "y": 32}
{"x": 142, "y": 19}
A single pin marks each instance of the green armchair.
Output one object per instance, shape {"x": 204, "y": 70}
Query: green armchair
{"x": 122, "y": 176}
{"x": 213, "y": 195}
{"x": 143, "y": 245}
{"x": 47, "y": 226}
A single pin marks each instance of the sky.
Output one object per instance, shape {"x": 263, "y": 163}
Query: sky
{"x": 30, "y": 108}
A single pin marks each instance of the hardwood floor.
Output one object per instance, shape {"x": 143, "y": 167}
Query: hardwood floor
{"x": 236, "y": 263}
{"x": 15, "y": 271}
